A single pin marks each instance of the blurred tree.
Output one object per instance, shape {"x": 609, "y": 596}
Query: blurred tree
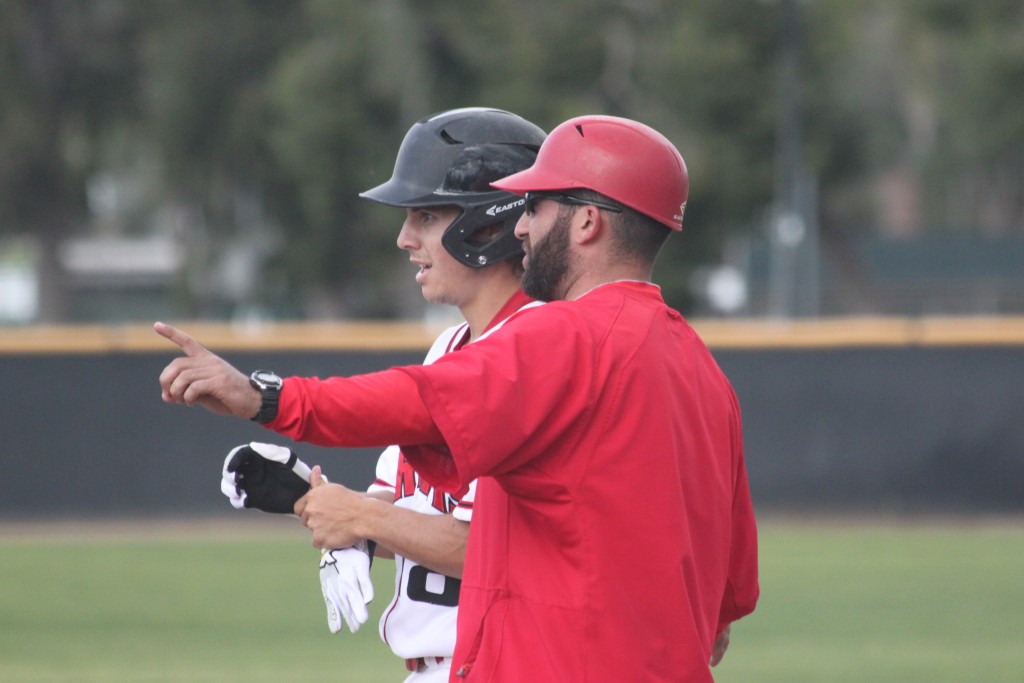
{"x": 336, "y": 100}
{"x": 256, "y": 123}
{"x": 67, "y": 80}
{"x": 710, "y": 84}
{"x": 206, "y": 68}
{"x": 968, "y": 66}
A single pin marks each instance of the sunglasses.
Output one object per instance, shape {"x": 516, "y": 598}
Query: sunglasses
{"x": 531, "y": 199}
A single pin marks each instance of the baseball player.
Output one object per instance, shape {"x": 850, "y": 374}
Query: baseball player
{"x": 614, "y": 537}
{"x": 459, "y": 233}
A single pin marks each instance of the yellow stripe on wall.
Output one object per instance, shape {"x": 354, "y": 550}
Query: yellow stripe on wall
{"x": 862, "y": 331}
{"x": 310, "y": 336}
{"x": 399, "y": 336}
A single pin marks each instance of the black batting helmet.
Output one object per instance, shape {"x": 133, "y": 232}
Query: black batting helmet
{"x": 451, "y": 158}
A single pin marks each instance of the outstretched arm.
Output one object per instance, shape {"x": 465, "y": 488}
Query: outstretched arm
{"x": 375, "y": 409}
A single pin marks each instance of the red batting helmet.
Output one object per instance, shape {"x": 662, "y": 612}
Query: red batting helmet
{"x": 624, "y": 160}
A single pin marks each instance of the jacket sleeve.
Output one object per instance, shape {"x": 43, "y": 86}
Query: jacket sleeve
{"x": 376, "y": 409}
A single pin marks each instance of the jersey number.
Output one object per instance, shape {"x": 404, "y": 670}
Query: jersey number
{"x": 449, "y": 597}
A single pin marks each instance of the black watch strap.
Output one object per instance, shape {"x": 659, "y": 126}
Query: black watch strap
{"x": 269, "y": 386}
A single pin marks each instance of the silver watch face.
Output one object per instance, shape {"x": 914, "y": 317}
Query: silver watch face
{"x": 266, "y": 379}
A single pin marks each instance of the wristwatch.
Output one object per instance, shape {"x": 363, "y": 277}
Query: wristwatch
{"x": 269, "y": 386}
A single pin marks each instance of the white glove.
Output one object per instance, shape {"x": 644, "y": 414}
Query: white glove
{"x": 264, "y": 476}
{"x": 345, "y": 583}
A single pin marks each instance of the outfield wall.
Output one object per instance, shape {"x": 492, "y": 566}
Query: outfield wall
{"x": 851, "y": 415}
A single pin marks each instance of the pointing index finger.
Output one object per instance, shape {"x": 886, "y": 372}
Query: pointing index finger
{"x": 189, "y": 345}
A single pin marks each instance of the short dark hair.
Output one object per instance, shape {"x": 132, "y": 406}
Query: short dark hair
{"x": 634, "y": 236}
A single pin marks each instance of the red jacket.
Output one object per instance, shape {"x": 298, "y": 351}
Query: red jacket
{"x": 613, "y": 533}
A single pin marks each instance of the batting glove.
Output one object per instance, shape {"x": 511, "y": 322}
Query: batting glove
{"x": 345, "y": 583}
{"x": 264, "y": 476}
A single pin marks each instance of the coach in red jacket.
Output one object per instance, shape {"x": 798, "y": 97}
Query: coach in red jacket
{"x": 613, "y": 536}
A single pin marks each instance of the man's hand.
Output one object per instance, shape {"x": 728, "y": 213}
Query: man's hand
{"x": 721, "y": 645}
{"x": 332, "y": 512}
{"x": 345, "y": 583}
{"x": 200, "y": 377}
{"x": 264, "y": 476}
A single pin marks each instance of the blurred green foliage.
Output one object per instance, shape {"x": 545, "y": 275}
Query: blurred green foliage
{"x": 244, "y": 113}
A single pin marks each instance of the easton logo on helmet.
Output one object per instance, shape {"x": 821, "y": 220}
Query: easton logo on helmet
{"x": 495, "y": 210}
{"x": 679, "y": 216}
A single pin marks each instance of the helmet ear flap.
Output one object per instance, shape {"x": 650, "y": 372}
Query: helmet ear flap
{"x": 501, "y": 210}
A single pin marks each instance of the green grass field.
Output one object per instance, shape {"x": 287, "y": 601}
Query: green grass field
{"x": 893, "y": 602}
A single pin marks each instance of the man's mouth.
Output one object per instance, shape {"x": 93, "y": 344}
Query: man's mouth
{"x": 423, "y": 268}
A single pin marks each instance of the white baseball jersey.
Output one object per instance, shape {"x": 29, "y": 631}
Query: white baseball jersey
{"x": 420, "y": 621}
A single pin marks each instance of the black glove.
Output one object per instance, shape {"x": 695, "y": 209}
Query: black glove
{"x": 264, "y": 476}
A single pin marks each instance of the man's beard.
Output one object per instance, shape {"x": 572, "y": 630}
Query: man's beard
{"x": 548, "y": 264}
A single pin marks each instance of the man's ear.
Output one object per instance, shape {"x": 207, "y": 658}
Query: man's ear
{"x": 588, "y": 225}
